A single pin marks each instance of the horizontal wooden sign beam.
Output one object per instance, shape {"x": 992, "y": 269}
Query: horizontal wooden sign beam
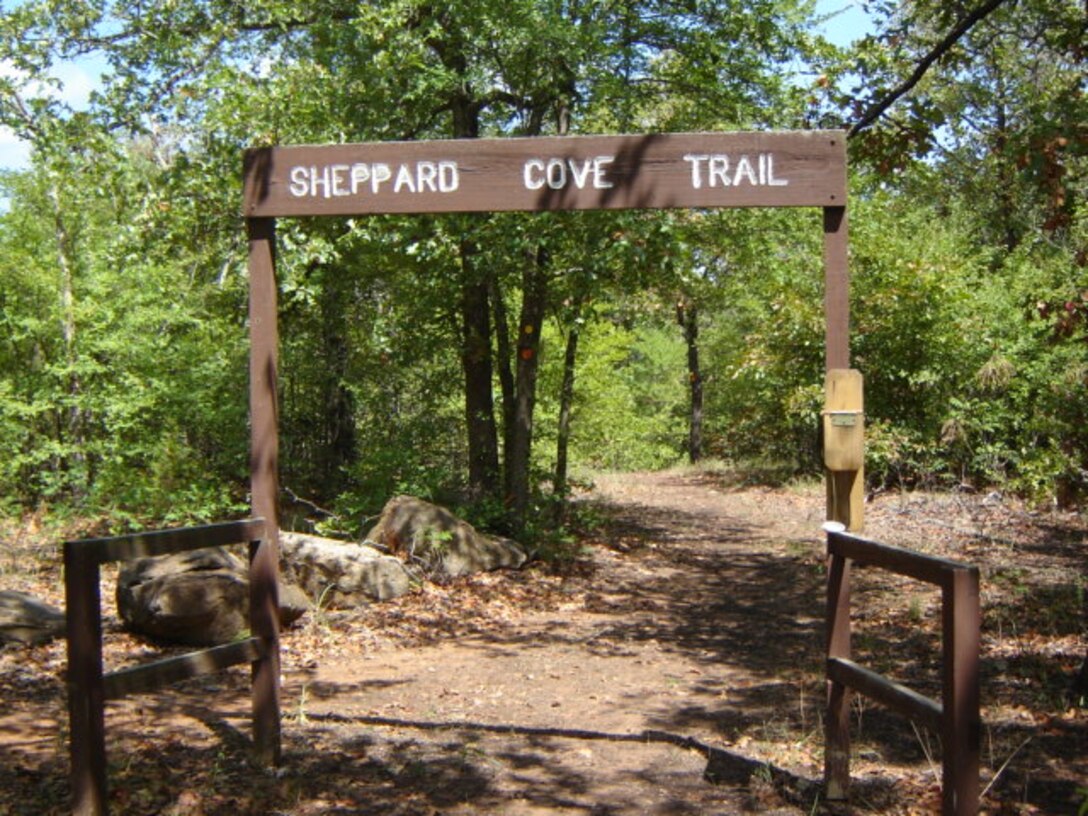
{"x": 655, "y": 171}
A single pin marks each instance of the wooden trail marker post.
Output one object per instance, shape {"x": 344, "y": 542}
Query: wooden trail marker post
{"x": 656, "y": 171}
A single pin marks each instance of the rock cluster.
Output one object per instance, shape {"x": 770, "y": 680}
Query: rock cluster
{"x": 201, "y": 597}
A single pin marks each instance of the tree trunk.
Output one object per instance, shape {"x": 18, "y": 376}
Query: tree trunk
{"x": 533, "y": 302}
{"x": 504, "y": 358}
{"x": 483, "y": 449}
{"x": 1080, "y": 684}
{"x": 72, "y": 459}
{"x": 338, "y": 443}
{"x": 687, "y": 316}
{"x": 566, "y": 398}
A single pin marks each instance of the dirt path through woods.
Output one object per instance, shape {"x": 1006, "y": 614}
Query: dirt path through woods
{"x": 693, "y": 639}
{"x": 675, "y": 668}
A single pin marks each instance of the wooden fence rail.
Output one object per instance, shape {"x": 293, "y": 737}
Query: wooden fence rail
{"x": 89, "y": 688}
{"x": 956, "y": 717}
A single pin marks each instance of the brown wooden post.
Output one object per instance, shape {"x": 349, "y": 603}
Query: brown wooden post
{"x": 845, "y": 489}
{"x": 961, "y": 737}
{"x": 85, "y": 691}
{"x": 264, "y": 481}
{"x": 837, "y": 287}
{"x": 837, "y": 724}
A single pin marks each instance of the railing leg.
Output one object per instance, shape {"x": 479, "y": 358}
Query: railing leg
{"x": 264, "y": 622}
{"x": 837, "y": 723}
{"x": 85, "y": 694}
{"x": 962, "y": 727}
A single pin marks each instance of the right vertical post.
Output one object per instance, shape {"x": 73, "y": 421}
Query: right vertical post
{"x": 845, "y": 488}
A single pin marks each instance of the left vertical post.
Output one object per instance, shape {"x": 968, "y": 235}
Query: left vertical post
{"x": 264, "y": 485}
{"x": 85, "y": 690}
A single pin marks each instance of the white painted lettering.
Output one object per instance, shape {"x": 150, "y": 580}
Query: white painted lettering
{"x": 556, "y": 174}
{"x": 321, "y": 181}
{"x": 718, "y": 172}
{"x": 744, "y": 169}
{"x": 448, "y": 177}
{"x": 696, "y": 172}
{"x": 300, "y": 182}
{"x": 404, "y": 179}
{"x": 771, "y": 180}
{"x": 360, "y": 175}
{"x": 337, "y": 188}
{"x": 379, "y": 174}
{"x": 580, "y": 173}
{"x": 599, "y": 181}
{"x": 341, "y": 180}
{"x": 426, "y": 175}
{"x": 533, "y": 174}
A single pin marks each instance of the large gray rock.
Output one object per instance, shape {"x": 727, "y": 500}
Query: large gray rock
{"x": 25, "y": 619}
{"x": 442, "y": 544}
{"x": 340, "y": 573}
{"x": 198, "y": 598}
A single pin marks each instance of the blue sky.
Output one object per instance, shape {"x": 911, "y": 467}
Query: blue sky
{"x": 850, "y": 22}
{"x": 78, "y": 79}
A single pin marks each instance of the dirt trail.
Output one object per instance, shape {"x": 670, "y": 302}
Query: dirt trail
{"x": 675, "y": 669}
{"x": 682, "y": 661}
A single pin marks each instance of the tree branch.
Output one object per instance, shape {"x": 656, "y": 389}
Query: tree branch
{"x": 943, "y": 47}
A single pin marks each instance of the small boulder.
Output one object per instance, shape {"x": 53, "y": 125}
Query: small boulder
{"x": 197, "y": 598}
{"x": 341, "y": 573}
{"x": 25, "y": 619}
{"x": 441, "y": 543}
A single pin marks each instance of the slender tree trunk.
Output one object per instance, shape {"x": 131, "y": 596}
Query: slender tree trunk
{"x": 504, "y": 359}
{"x": 1080, "y": 683}
{"x": 74, "y": 461}
{"x": 338, "y": 445}
{"x": 483, "y": 449}
{"x": 533, "y": 304}
{"x": 566, "y": 400}
{"x": 688, "y": 317}
{"x": 476, "y": 357}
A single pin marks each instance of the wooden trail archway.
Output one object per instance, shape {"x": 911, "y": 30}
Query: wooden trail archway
{"x": 658, "y": 171}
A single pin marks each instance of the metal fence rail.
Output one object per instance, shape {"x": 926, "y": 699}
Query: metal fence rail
{"x": 956, "y": 716}
{"x": 89, "y": 688}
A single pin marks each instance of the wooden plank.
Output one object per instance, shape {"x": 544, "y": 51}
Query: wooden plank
{"x": 164, "y": 542}
{"x": 922, "y": 567}
{"x": 653, "y": 171}
{"x": 887, "y": 692}
{"x": 836, "y": 287}
{"x": 152, "y": 676}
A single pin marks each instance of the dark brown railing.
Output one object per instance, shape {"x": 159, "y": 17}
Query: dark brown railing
{"x": 956, "y": 717}
{"x": 89, "y": 688}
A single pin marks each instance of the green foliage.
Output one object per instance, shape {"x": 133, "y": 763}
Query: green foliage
{"x": 629, "y": 398}
{"x": 122, "y": 253}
